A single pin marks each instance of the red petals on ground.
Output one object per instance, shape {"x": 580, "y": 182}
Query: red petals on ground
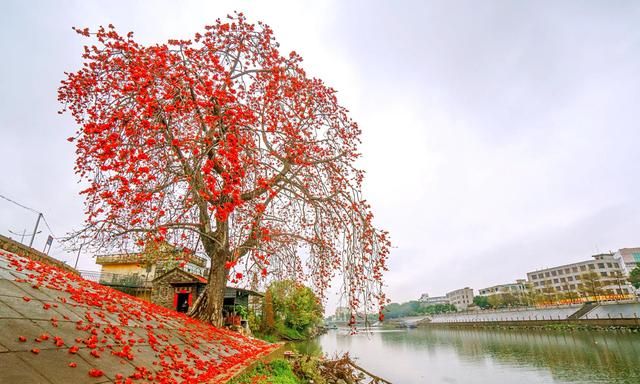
{"x": 26, "y": 298}
{"x": 110, "y": 319}
{"x": 95, "y": 372}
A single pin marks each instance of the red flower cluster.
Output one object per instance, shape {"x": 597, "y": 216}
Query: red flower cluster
{"x": 224, "y": 135}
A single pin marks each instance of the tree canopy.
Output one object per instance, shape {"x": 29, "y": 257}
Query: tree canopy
{"x": 294, "y": 306}
{"x": 415, "y": 308}
{"x": 226, "y": 147}
{"x": 634, "y": 277}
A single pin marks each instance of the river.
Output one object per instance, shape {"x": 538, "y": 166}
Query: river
{"x": 477, "y": 356}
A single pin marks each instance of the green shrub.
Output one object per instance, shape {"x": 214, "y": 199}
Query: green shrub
{"x": 276, "y": 372}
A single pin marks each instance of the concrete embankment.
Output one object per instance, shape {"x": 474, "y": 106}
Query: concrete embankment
{"x": 595, "y": 315}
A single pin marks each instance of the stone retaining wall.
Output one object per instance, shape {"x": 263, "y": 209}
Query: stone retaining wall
{"x": 13, "y": 246}
{"x": 589, "y": 323}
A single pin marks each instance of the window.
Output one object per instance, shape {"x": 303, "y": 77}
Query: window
{"x": 560, "y": 272}
{"x": 574, "y": 269}
{"x": 609, "y": 265}
{"x": 553, "y": 273}
{"x": 567, "y": 271}
{"x": 583, "y": 267}
{"x": 570, "y": 278}
{"x": 591, "y": 266}
{"x": 547, "y": 274}
{"x": 555, "y": 281}
{"x": 601, "y": 265}
{"x": 603, "y": 274}
{"x": 535, "y": 284}
{"x": 572, "y": 286}
{"x": 563, "y": 279}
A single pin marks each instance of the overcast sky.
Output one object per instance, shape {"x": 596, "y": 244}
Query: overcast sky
{"x": 499, "y": 137}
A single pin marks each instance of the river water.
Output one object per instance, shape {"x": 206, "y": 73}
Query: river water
{"x": 473, "y": 356}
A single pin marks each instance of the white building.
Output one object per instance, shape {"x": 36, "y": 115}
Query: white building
{"x": 568, "y": 278}
{"x": 518, "y": 288}
{"x": 461, "y": 298}
{"x": 433, "y": 300}
{"x": 629, "y": 257}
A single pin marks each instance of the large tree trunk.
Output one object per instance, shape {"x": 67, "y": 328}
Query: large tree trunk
{"x": 208, "y": 307}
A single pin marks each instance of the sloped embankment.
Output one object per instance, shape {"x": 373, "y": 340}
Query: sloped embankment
{"x": 56, "y": 327}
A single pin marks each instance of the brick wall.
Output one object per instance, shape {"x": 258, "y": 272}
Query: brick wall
{"x": 162, "y": 291}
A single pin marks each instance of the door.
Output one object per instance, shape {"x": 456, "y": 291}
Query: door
{"x": 182, "y": 302}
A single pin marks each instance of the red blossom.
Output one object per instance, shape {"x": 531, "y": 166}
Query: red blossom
{"x": 93, "y": 372}
{"x": 223, "y": 135}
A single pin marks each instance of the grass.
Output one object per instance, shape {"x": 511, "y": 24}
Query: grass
{"x": 276, "y": 372}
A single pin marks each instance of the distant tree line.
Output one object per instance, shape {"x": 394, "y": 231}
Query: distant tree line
{"x": 415, "y": 308}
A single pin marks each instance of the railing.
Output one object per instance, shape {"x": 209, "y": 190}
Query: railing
{"x": 126, "y": 258}
{"x": 117, "y": 279}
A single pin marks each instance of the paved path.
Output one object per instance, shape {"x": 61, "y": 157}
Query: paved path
{"x": 56, "y": 327}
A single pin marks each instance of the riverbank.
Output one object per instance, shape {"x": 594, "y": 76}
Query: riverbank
{"x": 56, "y": 327}
{"x": 609, "y": 315}
{"x": 632, "y": 325}
{"x": 297, "y": 369}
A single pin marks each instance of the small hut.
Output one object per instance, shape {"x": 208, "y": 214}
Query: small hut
{"x": 234, "y": 297}
{"x": 177, "y": 289}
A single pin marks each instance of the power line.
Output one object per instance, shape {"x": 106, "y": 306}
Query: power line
{"x": 50, "y": 230}
{"x": 18, "y": 204}
{"x": 32, "y": 210}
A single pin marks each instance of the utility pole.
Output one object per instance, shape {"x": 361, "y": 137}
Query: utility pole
{"x": 77, "y": 257}
{"x": 33, "y": 236}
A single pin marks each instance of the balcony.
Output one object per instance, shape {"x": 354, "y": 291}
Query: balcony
{"x": 118, "y": 280}
{"x": 131, "y": 258}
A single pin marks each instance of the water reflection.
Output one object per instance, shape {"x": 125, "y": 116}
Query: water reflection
{"x": 490, "y": 356}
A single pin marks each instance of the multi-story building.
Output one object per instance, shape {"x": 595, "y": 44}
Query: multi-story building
{"x": 518, "y": 288}
{"x": 629, "y": 257}
{"x": 134, "y": 273}
{"x": 602, "y": 276}
{"x": 461, "y": 298}
{"x": 433, "y": 300}
{"x": 152, "y": 262}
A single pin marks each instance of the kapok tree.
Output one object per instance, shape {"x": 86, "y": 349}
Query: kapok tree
{"x": 225, "y": 147}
